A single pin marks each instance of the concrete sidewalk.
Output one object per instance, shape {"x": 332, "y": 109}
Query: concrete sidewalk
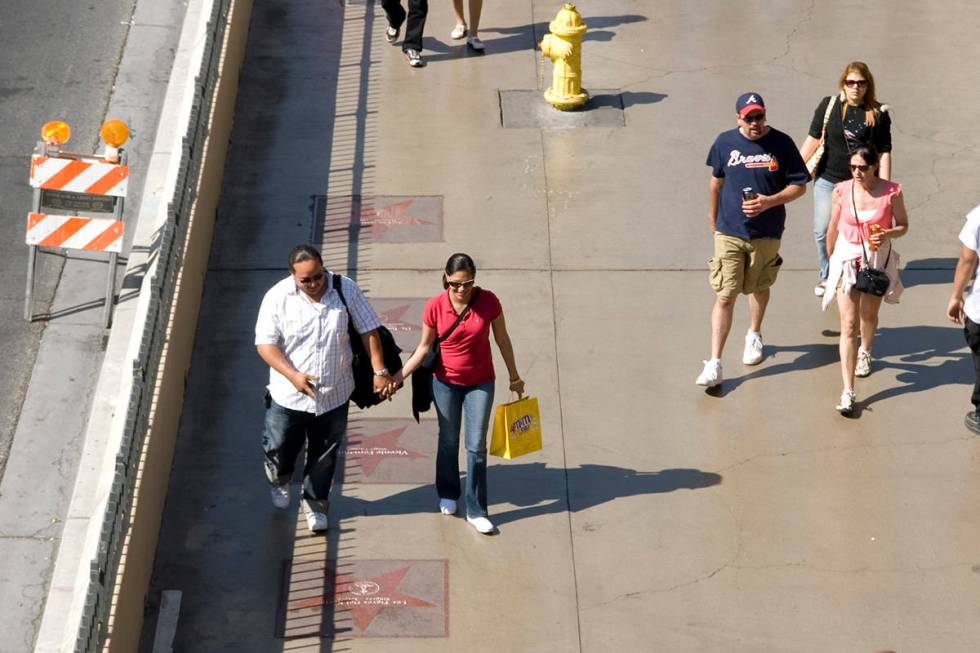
{"x": 657, "y": 517}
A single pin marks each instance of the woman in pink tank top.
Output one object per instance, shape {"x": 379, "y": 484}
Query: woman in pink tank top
{"x": 868, "y": 213}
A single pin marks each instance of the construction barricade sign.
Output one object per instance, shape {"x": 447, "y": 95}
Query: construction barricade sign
{"x": 68, "y": 188}
{"x": 74, "y": 232}
{"x": 92, "y": 176}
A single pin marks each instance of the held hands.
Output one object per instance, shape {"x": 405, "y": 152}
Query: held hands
{"x": 384, "y": 386}
{"x": 756, "y": 205}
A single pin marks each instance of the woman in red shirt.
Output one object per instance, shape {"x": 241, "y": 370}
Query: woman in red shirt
{"x": 463, "y": 382}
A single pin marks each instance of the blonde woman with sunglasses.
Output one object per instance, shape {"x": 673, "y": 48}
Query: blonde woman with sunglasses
{"x": 856, "y": 118}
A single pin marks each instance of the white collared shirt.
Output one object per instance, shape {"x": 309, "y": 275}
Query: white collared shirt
{"x": 970, "y": 237}
{"x": 313, "y": 338}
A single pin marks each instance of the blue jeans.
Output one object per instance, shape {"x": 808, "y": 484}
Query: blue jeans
{"x": 453, "y": 403}
{"x": 822, "y": 203}
{"x": 282, "y": 440}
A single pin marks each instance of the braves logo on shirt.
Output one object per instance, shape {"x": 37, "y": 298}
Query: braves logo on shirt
{"x": 766, "y": 160}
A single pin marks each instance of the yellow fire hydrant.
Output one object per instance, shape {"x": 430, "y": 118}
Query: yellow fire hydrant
{"x": 564, "y": 47}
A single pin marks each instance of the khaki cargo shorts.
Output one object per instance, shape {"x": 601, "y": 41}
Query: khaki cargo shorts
{"x": 743, "y": 266}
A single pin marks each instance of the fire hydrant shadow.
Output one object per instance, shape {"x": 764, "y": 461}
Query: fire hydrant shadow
{"x": 625, "y": 99}
{"x": 503, "y": 40}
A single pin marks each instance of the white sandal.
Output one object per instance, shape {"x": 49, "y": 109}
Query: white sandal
{"x": 458, "y": 32}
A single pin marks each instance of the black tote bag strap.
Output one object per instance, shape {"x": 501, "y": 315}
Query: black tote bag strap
{"x": 351, "y": 331}
{"x": 459, "y": 318}
{"x": 335, "y": 284}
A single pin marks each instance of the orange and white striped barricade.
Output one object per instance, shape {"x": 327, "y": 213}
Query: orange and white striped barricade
{"x": 66, "y": 186}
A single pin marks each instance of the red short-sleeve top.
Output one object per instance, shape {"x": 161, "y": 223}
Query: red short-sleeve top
{"x": 465, "y": 357}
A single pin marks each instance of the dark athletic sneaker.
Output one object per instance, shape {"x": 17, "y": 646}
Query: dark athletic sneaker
{"x": 414, "y": 58}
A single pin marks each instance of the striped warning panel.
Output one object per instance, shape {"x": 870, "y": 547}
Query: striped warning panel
{"x": 73, "y": 232}
{"x": 79, "y": 176}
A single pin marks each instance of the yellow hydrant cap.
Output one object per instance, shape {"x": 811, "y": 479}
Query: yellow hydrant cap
{"x": 568, "y": 22}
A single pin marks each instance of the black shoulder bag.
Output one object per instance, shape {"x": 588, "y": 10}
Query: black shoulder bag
{"x": 422, "y": 377}
{"x": 364, "y": 395}
{"x": 869, "y": 280}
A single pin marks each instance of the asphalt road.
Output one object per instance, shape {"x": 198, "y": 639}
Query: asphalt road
{"x": 58, "y": 60}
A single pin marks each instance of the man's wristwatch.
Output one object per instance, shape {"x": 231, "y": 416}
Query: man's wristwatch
{"x": 382, "y": 372}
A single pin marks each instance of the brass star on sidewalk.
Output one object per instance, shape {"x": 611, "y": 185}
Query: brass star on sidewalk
{"x": 389, "y": 216}
{"x": 369, "y": 451}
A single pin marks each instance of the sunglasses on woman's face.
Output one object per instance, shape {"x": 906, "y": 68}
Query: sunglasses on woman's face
{"x": 851, "y": 83}
{"x": 457, "y": 285}
{"x": 863, "y": 168}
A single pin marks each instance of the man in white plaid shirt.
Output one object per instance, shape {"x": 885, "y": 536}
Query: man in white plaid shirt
{"x": 301, "y": 333}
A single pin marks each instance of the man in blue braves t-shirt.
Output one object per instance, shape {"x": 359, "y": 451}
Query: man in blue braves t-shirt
{"x": 755, "y": 170}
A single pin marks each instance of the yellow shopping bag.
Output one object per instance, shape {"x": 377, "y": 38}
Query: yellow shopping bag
{"x": 516, "y": 428}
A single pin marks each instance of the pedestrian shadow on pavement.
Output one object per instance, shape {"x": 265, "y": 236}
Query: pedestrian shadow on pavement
{"x": 811, "y": 356}
{"x": 503, "y": 40}
{"x": 540, "y": 490}
{"x": 928, "y": 272}
{"x": 926, "y": 357}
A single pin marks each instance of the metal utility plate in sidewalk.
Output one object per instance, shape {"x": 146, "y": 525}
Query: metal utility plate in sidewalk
{"x": 364, "y": 598}
{"x": 524, "y": 109}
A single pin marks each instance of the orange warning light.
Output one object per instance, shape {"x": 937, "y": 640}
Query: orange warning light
{"x": 114, "y": 132}
{"x": 56, "y": 132}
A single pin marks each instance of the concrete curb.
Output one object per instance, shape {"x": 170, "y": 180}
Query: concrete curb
{"x": 107, "y": 420}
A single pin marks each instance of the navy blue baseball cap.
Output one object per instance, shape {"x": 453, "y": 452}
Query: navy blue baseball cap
{"x": 747, "y": 102}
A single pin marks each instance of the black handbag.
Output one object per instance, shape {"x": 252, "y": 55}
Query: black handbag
{"x": 364, "y": 395}
{"x": 869, "y": 280}
{"x": 422, "y": 377}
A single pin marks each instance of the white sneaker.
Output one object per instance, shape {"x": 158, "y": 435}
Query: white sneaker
{"x": 316, "y": 521}
{"x": 481, "y": 524}
{"x": 753, "y": 349}
{"x": 846, "y": 405}
{"x": 820, "y": 289}
{"x": 280, "y": 496}
{"x": 863, "y": 367}
{"x": 279, "y": 492}
{"x": 458, "y": 32}
{"x": 711, "y": 374}
{"x": 447, "y": 506}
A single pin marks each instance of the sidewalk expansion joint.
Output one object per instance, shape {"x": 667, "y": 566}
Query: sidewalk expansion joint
{"x": 854, "y": 447}
{"x": 28, "y": 538}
